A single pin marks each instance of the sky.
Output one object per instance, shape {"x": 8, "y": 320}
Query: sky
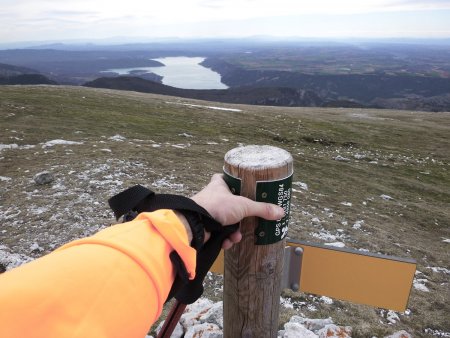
{"x": 88, "y": 20}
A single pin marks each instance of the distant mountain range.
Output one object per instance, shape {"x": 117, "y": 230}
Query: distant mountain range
{"x": 283, "y": 73}
{"x": 271, "y": 96}
{"x": 15, "y": 75}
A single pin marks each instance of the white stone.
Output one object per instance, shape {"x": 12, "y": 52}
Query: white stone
{"x": 178, "y": 332}
{"x": 392, "y": 317}
{"x": 35, "y": 248}
{"x": 317, "y": 324}
{"x": 399, "y": 334}
{"x": 214, "y": 315}
{"x": 194, "y": 311}
{"x": 295, "y": 330}
{"x": 205, "y": 330}
{"x": 334, "y": 331}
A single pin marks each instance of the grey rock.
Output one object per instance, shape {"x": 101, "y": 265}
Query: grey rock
{"x": 214, "y": 315}
{"x": 44, "y": 177}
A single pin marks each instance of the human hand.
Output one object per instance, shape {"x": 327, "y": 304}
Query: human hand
{"x": 228, "y": 209}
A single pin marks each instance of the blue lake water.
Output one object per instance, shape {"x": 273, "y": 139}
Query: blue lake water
{"x": 181, "y": 72}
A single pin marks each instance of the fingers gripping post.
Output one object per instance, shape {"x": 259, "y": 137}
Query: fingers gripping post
{"x": 253, "y": 267}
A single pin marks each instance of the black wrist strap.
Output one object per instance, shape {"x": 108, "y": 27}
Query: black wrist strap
{"x": 137, "y": 199}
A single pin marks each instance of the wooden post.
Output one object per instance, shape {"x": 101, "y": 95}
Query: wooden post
{"x": 253, "y": 270}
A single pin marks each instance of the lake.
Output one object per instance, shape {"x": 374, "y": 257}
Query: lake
{"x": 181, "y": 72}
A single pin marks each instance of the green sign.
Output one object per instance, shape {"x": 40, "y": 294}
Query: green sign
{"x": 279, "y": 193}
{"x": 275, "y": 192}
{"x": 233, "y": 183}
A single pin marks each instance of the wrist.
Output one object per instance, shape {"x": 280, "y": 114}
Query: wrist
{"x": 184, "y": 221}
{"x": 192, "y": 221}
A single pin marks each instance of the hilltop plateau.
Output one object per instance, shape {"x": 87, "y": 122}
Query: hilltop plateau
{"x": 367, "y": 179}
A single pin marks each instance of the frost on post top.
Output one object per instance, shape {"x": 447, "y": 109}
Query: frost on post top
{"x": 254, "y": 157}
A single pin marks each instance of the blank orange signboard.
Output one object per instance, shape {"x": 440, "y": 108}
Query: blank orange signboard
{"x": 351, "y": 275}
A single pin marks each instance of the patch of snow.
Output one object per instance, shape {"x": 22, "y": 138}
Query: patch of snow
{"x": 5, "y": 179}
{"x": 445, "y": 240}
{"x": 59, "y": 142}
{"x": 12, "y": 260}
{"x": 341, "y": 158}
{"x": 181, "y": 146}
{"x": 8, "y": 146}
{"x": 357, "y": 225}
{"x": 286, "y": 303}
{"x": 38, "y": 210}
{"x": 311, "y": 308}
{"x": 326, "y": 300}
{"x": 106, "y": 150}
{"x": 185, "y": 135}
{"x": 324, "y": 235}
{"x": 436, "y": 333}
{"x": 386, "y": 197}
{"x": 347, "y": 204}
{"x": 117, "y": 138}
{"x": 336, "y": 244}
{"x": 27, "y": 146}
{"x": 419, "y": 284}
{"x": 164, "y": 183}
{"x": 302, "y": 185}
{"x": 439, "y": 269}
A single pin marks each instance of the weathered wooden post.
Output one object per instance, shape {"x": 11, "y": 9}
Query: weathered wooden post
{"x": 253, "y": 268}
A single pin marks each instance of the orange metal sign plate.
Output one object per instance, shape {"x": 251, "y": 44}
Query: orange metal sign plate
{"x": 351, "y": 275}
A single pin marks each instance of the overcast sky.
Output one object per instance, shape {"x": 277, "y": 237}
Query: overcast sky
{"x": 49, "y": 20}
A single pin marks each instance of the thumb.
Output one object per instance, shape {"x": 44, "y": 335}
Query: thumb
{"x": 264, "y": 210}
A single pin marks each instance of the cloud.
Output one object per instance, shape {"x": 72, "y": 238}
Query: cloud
{"x": 21, "y": 19}
{"x": 415, "y": 5}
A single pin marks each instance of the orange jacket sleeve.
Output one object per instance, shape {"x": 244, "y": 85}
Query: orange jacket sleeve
{"x": 112, "y": 284}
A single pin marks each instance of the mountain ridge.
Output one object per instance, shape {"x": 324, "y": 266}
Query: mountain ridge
{"x": 266, "y": 96}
